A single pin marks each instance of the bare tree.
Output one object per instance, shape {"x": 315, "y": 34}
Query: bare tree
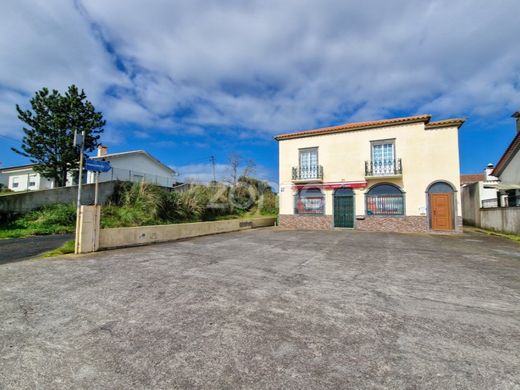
{"x": 249, "y": 169}
{"x": 234, "y": 163}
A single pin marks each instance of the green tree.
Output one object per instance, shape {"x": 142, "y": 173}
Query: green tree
{"x": 48, "y": 139}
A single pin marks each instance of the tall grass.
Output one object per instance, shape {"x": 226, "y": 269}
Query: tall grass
{"x": 52, "y": 219}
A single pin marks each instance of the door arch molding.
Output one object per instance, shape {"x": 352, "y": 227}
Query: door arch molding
{"x": 441, "y": 198}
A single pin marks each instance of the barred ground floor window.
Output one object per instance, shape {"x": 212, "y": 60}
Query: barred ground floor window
{"x": 309, "y": 201}
{"x": 384, "y": 199}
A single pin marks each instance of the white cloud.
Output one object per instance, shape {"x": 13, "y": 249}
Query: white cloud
{"x": 270, "y": 65}
{"x": 265, "y": 65}
{"x": 203, "y": 173}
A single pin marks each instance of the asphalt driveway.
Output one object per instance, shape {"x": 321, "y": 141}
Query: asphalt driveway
{"x": 14, "y": 249}
{"x": 268, "y": 309}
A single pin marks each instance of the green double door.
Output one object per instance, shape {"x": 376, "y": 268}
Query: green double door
{"x": 344, "y": 209}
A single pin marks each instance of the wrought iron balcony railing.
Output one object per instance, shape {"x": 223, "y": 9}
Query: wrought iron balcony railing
{"x": 384, "y": 168}
{"x": 313, "y": 173}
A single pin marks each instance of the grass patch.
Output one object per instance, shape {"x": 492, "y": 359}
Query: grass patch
{"x": 53, "y": 219}
{"x": 66, "y": 248}
{"x": 509, "y": 236}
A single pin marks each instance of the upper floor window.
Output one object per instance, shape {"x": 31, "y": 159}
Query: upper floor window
{"x": 32, "y": 180}
{"x": 308, "y": 163}
{"x": 383, "y": 156}
{"x": 385, "y": 199}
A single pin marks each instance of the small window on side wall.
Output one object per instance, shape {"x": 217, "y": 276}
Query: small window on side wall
{"x": 309, "y": 201}
{"x": 385, "y": 199}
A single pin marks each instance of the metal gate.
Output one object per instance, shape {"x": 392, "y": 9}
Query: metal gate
{"x": 344, "y": 208}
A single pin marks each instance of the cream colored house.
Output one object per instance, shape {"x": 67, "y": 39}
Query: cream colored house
{"x": 398, "y": 174}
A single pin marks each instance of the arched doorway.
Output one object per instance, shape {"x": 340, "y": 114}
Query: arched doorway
{"x": 441, "y": 206}
{"x": 344, "y": 208}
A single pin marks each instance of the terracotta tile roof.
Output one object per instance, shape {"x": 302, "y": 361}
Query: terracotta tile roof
{"x": 471, "y": 178}
{"x": 445, "y": 123}
{"x": 370, "y": 124}
{"x": 508, "y": 155}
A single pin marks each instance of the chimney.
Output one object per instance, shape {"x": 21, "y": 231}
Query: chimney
{"x": 102, "y": 150}
{"x": 516, "y": 115}
{"x": 488, "y": 172}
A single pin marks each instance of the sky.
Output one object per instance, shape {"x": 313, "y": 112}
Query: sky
{"x": 190, "y": 79}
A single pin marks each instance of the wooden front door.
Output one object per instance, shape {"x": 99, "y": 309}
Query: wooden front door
{"x": 441, "y": 211}
{"x": 344, "y": 211}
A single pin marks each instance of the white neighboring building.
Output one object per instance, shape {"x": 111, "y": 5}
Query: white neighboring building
{"x": 484, "y": 183}
{"x": 508, "y": 171}
{"x": 136, "y": 165}
{"x": 24, "y": 178}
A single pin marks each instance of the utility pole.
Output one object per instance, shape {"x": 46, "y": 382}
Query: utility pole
{"x": 79, "y": 140}
{"x": 212, "y": 159}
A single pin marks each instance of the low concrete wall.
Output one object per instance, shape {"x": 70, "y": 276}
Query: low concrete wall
{"x": 503, "y": 219}
{"x": 27, "y": 201}
{"x": 141, "y": 235}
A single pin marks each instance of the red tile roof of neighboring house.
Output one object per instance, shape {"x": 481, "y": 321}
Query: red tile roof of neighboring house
{"x": 471, "y": 178}
{"x": 508, "y": 155}
{"x": 370, "y": 124}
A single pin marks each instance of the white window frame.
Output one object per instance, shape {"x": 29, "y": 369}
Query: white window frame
{"x": 309, "y": 168}
{"x": 383, "y": 165}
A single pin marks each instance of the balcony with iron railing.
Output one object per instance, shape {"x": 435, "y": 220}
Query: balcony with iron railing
{"x": 312, "y": 174}
{"x": 384, "y": 168}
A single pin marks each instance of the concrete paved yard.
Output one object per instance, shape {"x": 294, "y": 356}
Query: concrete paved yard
{"x": 268, "y": 309}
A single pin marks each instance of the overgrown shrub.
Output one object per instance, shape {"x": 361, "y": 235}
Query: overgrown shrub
{"x": 138, "y": 204}
{"x": 269, "y": 204}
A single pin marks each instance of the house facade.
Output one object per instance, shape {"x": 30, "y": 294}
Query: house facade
{"x": 24, "y": 178}
{"x": 508, "y": 171}
{"x": 398, "y": 174}
{"x": 136, "y": 166}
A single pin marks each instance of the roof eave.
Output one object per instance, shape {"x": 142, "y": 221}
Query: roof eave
{"x": 456, "y": 122}
{"x": 344, "y": 128}
{"x": 508, "y": 155}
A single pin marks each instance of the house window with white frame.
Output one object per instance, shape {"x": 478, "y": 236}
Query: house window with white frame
{"x": 308, "y": 163}
{"x": 383, "y": 157}
{"x": 32, "y": 181}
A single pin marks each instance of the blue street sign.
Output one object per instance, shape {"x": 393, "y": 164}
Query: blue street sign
{"x": 97, "y": 165}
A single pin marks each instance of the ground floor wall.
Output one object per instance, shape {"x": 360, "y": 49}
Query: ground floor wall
{"x": 404, "y": 224}
{"x": 415, "y": 218}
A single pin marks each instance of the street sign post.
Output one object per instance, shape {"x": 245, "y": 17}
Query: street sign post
{"x": 97, "y": 166}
